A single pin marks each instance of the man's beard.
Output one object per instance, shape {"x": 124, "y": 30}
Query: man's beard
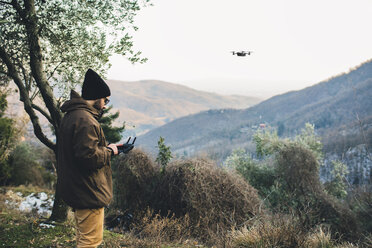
{"x": 97, "y": 106}
{"x": 100, "y": 113}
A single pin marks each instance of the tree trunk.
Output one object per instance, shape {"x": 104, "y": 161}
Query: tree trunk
{"x": 59, "y": 212}
{"x": 60, "y": 209}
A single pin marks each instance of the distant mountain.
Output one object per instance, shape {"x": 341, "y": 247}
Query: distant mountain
{"x": 145, "y": 105}
{"x": 329, "y": 104}
{"x": 148, "y": 104}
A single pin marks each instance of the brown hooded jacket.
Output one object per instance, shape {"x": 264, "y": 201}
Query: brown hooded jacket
{"x": 84, "y": 169}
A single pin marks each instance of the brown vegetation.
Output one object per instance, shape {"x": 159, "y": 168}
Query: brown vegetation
{"x": 211, "y": 200}
{"x": 196, "y": 201}
{"x": 133, "y": 176}
{"x": 360, "y": 202}
{"x": 215, "y": 200}
{"x": 299, "y": 171}
{"x": 159, "y": 229}
{"x": 270, "y": 231}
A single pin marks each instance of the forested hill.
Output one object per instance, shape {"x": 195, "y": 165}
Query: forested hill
{"x": 325, "y": 104}
{"x": 329, "y": 104}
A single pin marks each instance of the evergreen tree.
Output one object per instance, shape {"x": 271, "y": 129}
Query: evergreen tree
{"x": 338, "y": 185}
{"x": 164, "y": 155}
{"x": 112, "y": 134}
{"x": 281, "y": 129}
{"x": 7, "y": 140}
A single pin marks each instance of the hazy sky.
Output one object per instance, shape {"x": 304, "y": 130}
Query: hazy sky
{"x": 296, "y": 43}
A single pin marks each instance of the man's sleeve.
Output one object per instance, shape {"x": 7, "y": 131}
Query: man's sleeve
{"x": 87, "y": 150}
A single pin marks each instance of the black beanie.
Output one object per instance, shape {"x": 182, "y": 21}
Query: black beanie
{"x": 94, "y": 87}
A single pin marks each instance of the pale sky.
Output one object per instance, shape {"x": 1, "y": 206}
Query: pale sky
{"x": 295, "y": 43}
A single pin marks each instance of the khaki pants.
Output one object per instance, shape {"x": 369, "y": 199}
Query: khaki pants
{"x": 89, "y": 227}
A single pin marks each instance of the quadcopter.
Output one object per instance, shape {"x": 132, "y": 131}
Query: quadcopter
{"x": 242, "y": 53}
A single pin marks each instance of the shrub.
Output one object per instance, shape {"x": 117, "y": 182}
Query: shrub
{"x": 8, "y": 137}
{"x": 360, "y": 201}
{"x": 25, "y": 169}
{"x": 297, "y": 187}
{"x": 214, "y": 200}
{"x": 134, "y": 178}
{"x": 298, "y": 170}
{"x": 260, "y": 175}
{"x": 268, "y": 142}
{"x": 337, "y": 186}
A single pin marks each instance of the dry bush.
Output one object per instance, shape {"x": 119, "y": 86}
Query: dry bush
{"x": 215, "y": 200}
{"x": 270, "y": 231}
{"x": 299, "y": 167}
{"x": 134, "y": 176}
{"x": 211, "y": 199}
{"x": 299, "y": 171}
{"x": 360, "y": 201}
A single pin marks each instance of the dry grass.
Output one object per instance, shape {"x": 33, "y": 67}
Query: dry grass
{"x": 321, "y": 237}
{"x": 284, "y": 232}
{"x": 270, "y": 231}
{"x": 19, "y": 229}
{"x": 157, "y": 228}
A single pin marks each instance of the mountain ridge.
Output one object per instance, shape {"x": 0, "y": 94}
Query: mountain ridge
{"x": 151, "y": 103}
{"x": 322, "y": 104}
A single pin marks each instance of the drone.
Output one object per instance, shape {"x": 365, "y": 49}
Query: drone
{"x": 242, "y": 53}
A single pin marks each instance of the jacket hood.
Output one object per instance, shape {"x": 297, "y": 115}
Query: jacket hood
{"x": 76, "y": 102}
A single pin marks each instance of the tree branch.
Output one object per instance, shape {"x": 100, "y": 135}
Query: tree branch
{"x": 18, "y": 8}
{"x": 34, "y": 94}
{"x": 6, "y": 2}
{"x": 24, "y": 73}
{"x": 45, "y": 114}
{"x": 51, "y": 75}
{"x": 12, "y": 72}
{"x": 36, "y": 63}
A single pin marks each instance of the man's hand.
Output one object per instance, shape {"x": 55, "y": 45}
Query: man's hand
{"x": 126, "y": 147}
{"x": 114, "y": 148}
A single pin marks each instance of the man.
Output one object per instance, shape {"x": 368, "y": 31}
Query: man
{"x": 84, "y": 169}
